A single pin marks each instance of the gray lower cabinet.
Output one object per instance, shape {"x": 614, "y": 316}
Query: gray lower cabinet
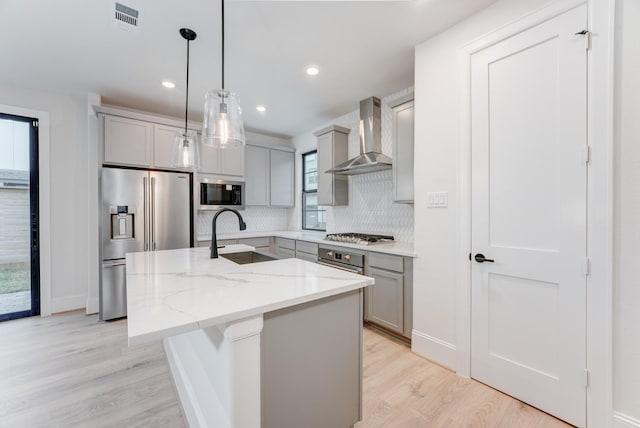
{"x": 311, "y": 358}
{"x": 307, "y": 251}
{"x": 285, "y": 248}
{"x": 385, "y": 302}
{"x": 389, "y": 302}
{"x": 263, "y": 245}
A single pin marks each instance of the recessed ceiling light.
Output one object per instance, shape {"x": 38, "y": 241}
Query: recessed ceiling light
{"x": 312, "y": 70}
{"x": 261, "y": 108}
{"x": 168, "y": 84}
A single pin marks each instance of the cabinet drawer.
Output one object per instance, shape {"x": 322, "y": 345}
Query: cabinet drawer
{"x": 307, "y": 257}
{"x": 385, "y": 261}
{"x": 256, "y": 242}
{"x": 227, "y": 242}
{"x": 284, "y": 253}
{"x": 307, "y": 247}
{"x": 285, "y": 243}
{"x": 204, "y": 244}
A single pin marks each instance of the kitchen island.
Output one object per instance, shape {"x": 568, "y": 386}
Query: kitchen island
{"x": 271, "y": 344}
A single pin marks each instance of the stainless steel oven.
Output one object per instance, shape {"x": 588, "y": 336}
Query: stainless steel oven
{"x": 341, "y": 258}
{"x": 216, "y": 193}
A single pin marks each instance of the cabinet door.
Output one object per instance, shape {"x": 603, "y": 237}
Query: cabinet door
{"x": 403, "y": 136}
{"x": 325, "y": 162}
{"x": 232, "y": 161}
{"x": 385, "y": 299}
{"x": 209, "y": 159}
{"x": 282, "y": 176}
{"x": 163, "y": 140}
{"x": 127, "y": 141}
{"x": 257, "y": 176}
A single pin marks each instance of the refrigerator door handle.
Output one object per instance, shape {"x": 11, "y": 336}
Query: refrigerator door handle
{"x": 153, "y": 214}
{"x": 144, "y": 190}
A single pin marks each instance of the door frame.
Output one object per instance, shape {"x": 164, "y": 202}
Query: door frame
{"x": 44, "y": 198}
{"x": 601, "y": 16}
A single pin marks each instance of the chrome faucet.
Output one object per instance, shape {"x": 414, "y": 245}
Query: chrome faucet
{"x": 214, "y": 241}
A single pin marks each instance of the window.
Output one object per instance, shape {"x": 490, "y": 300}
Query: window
{"x": 314, "y": 217}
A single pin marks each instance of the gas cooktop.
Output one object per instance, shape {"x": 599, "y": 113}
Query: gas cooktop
{"x": 359, "y": 238}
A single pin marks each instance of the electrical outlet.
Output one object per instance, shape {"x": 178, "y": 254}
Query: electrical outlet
{"x": 438, "y": 199}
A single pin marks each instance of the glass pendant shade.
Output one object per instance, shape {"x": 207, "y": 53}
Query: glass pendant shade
{"x": 222, "y": 125}
{"x": 185, "y": 151}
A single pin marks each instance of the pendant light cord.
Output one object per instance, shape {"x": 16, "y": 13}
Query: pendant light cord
{"x": 223, "y": 45}
{"x": 186, "y": 103}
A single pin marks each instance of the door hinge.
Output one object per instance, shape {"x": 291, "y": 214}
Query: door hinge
{"x": 586, "y": 378}
{"x": 587, "y": 266}
{"x": 34, "y": 123}
{"x": 587, "y": 154}
{"x": 587, "y": 38}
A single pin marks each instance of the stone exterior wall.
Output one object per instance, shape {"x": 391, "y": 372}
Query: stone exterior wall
{"x": 14, "y": 218}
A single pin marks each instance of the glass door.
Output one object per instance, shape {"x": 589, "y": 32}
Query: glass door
{"x": 19, "y": 254}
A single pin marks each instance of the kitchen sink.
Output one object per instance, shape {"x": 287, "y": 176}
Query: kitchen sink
{"x": 246, "y": 257}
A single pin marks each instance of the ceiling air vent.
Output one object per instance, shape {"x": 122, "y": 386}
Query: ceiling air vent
{"x": 126, "y": 15}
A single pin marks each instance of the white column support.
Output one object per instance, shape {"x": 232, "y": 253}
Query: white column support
{"x": 217, "y": 374}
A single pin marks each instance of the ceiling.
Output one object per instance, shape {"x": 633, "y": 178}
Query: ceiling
{"x": 362, "y": 48}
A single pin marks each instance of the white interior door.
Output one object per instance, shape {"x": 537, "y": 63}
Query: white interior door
{"x": 528, "y": 130}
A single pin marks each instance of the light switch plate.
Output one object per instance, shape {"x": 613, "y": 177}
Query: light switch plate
{"x": 437, "y": 199}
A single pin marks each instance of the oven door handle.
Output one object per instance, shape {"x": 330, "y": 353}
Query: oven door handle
{"x": 355, "y": 270}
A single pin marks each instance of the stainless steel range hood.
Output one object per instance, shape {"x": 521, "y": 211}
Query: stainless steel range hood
{"x": 370, "y": 158}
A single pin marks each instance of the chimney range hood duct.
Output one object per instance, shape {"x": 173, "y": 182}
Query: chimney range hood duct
{"x": 370, "y": 158}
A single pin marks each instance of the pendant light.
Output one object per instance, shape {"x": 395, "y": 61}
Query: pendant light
{"x": 185, "y": 147}
{"x": 222, "y": 126}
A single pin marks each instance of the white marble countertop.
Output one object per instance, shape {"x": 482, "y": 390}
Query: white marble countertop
{"x": 176, "y": 291}
{"x": 397, "y": 248}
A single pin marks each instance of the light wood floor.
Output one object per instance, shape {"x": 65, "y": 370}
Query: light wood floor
{"x": 70, "y": 371}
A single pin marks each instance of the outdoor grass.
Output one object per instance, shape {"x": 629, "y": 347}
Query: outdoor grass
{"x": 15, "y": 279}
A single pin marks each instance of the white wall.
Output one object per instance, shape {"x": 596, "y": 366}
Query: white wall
{"x": 436, "y": 136}
{"x": 371, "y": 208}
{"x": 68, "y": 181}
{"x": 626, "y": 319}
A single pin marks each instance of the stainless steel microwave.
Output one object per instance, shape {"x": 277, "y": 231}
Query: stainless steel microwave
{"x": 214, "y": 194}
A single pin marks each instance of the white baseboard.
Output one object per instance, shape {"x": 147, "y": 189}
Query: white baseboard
{"x": 620, "y": 420}
{"x": 93, "y": 305}
{"x": 69, "y": 303}
{"x": 434, "y": 349}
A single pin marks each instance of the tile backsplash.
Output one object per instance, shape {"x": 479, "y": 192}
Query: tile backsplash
{"x": 371, "y": 209}
{"x": 258, "y": 219}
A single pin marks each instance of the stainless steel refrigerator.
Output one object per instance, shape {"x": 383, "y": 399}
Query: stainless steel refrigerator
{"x": 141, "y": 211}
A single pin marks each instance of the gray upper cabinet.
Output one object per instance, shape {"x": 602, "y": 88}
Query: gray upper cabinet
{"x": 143, "y": 140}
{"x": 403, "y": 142}
{"x": 269, "y": 176}
{"x": 164, "y": 137}
{"x": 209, "y": 159}
{"x": 257, "y": 176}
{"x": 128, "y": 141}
{"x": 221, "y": 161}
{"x": 333, "y": 149}
{"x": 282, "y": 178}
{"x": 231, "y": 162}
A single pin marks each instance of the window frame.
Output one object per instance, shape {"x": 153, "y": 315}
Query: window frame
{"x": 308, "y": 192}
